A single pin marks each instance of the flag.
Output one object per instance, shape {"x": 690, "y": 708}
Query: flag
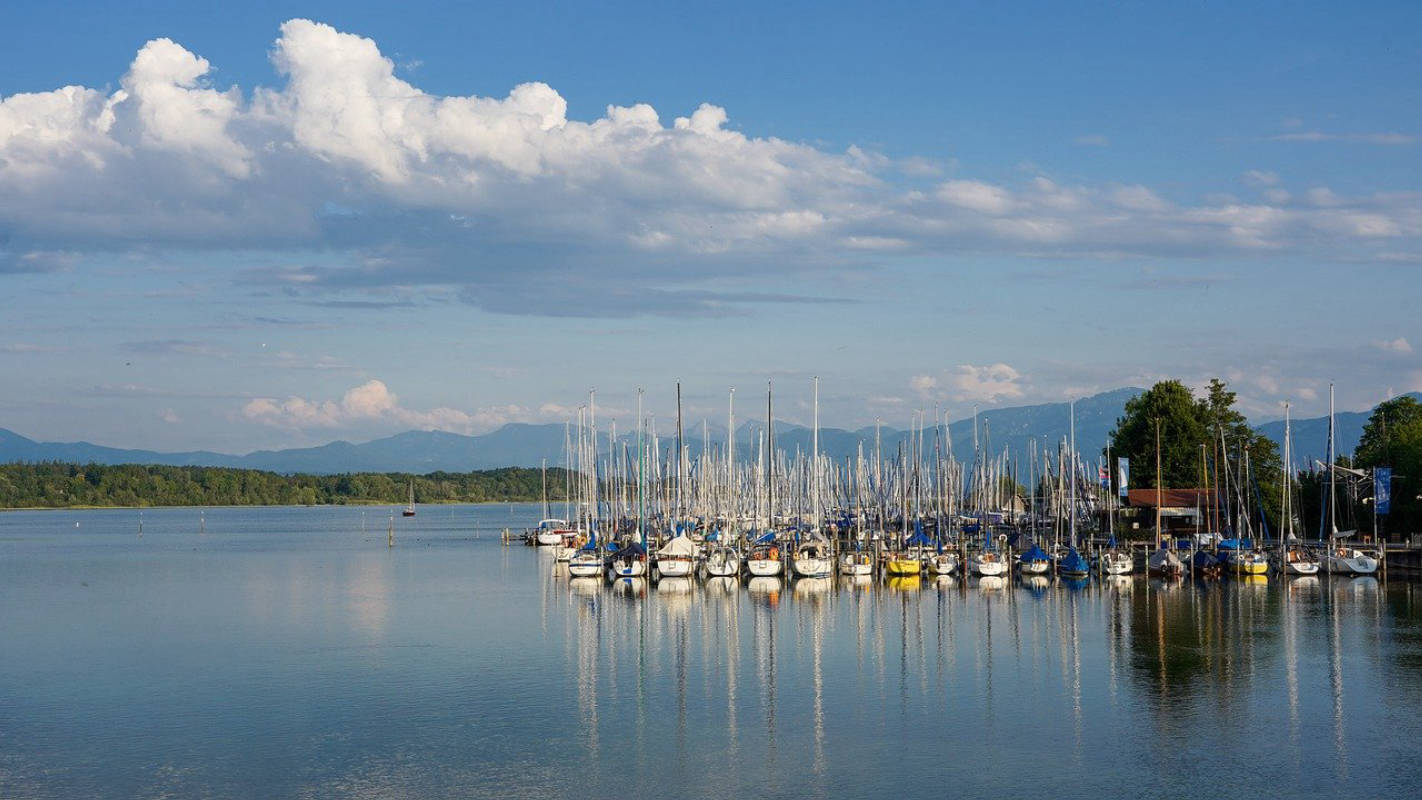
{"x": 1382, "y": 489}
{"x": 1123, "y": 475}
{"x": 1103, "y": 476}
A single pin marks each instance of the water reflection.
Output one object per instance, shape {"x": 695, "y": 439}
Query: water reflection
{"x": 312, "y": 670}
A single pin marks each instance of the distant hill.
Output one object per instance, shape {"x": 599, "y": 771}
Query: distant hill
{"x": 521, "y": 445}
{"x": 1311, "y": 435}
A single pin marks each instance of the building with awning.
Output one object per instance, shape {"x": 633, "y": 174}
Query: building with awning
{"x": 1182, "y": 511}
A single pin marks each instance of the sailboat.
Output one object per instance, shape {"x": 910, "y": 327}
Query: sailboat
{"x": 1163, "y": 562}
{"x": 1341, "y": 558}
{"x": 410, "y": 509}
{"x": 1034, "y": 561}
{"x": 763, "y": 555}
{"x": 722, "y": 560}
{"x": 812, "y": 555}
{"x": 676, "y": 558}
{"x": 586, "y": 561}
{"x": 1114, "y": 561}
{"x": 1290, "y": 558}
{"x": 1073, "y": 564}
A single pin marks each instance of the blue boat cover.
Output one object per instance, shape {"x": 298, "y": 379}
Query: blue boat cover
{"x": 1073, "y": 562}
{"x": 1035, "y": 553}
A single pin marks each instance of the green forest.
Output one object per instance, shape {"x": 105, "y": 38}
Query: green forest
{"x": 57, "y": 485}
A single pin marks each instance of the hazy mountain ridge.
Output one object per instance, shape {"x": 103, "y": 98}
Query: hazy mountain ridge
{"x": 526, "y": 445}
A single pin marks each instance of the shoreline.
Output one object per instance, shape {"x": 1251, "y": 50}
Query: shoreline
{"x": 371, "y": 504}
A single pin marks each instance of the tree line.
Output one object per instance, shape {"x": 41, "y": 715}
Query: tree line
{"x": 1204, "y": 442}
{"x": 61, "y": 485}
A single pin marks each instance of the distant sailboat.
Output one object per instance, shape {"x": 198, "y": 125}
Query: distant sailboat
{"x": 410, "y": 509}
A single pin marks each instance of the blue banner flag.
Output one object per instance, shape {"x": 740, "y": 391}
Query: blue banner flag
{"x": 1382, "y": 488}
{"x": 1123, "y": 475}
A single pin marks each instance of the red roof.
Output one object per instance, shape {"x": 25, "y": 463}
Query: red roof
{"x": 1172, "y": 498}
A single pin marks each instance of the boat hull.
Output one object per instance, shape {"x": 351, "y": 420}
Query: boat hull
{"x": 812, "y": 567}
{"x": 763, "y": 567}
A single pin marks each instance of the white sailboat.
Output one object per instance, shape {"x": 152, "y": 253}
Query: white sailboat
{"x": 410, "y": 509}
{"x": 812, "y": 556}
{"x": 1163, "y": 562}
{"x": 676, "y": 558}
{"x": 1341, "y": 558}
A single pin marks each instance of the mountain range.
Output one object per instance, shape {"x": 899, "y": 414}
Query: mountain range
{"x": 525, "y": 445}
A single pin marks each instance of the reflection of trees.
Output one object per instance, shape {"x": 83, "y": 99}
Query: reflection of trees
{"x": 1204, "y": 640}
{"x": 1404, "y": 604}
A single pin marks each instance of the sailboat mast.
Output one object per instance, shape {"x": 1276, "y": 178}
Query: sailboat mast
{"x": 1071, "y": 425}
{"x": 815, "y": 463}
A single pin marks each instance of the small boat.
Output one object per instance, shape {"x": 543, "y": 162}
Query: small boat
{"x": 1034, "y": 561}
{"x": 1246, "y": 562}
{"x": 856, "y": 562}
{"x": 628, "y": 561}
{"x": 1295, "y": 560}
{"x": 1345, "y": 559}
{"x": 943, "y": 563}
{"x": 676, "y": 558}
{"x": 812, "y": 559}
{"x": 1073, "y": 564}
{"x": 904, "y": 562}
{"x": 1164, "y": 563}
{"x": 987, "y": 564}
{"x": 722, "y": 561}
{"x": 550, "y": 532}
{"x": 586, "y": 561}
{"x": 763, "y": 560}
{"x": 410, "y": 509}
{"x": 1204, "y": 565}
{"x": 1115, "y": 562}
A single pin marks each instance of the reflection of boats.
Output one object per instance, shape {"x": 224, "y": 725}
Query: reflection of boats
{"x": 584, "y": 586}
{"x": 1304, "y": 585}
{"x": 992, "y": 582}
{"x": 1036, "y": 583}
{"x": 904, "y": 583}
{"x": 723, "y": 586}
{"x": 676, "y": 557}
{"x": 765, "y": 588}
{"x": 674, "y": 586}
{"x": 860, "y": 581}
{"x": 945, "y": 582}
{"x": 1119, "y": 582}
{"x": 630, "y": 587}
{"x": 813, "y": 587}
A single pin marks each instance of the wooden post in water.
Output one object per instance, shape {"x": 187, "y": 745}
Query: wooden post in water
{"x": 390, "y": 533}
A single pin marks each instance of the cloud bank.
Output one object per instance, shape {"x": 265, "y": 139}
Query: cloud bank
{"x": 521, "y": 209}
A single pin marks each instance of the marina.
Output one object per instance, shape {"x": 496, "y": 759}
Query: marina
{"x": 283, "y": 652}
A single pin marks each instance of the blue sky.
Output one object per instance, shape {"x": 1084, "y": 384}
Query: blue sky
{"x": 288, "y": 224}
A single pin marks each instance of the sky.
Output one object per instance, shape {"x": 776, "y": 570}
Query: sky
{"x": 271, "y": 225}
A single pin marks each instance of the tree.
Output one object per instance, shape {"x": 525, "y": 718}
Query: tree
{"x": 1182, "y": 432}
{"x": 1393, "y": 438}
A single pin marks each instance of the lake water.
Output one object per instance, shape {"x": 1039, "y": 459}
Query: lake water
{"x": 288, "y": 652}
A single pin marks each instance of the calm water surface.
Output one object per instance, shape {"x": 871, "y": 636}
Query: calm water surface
{"x": 289, "y": 652}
